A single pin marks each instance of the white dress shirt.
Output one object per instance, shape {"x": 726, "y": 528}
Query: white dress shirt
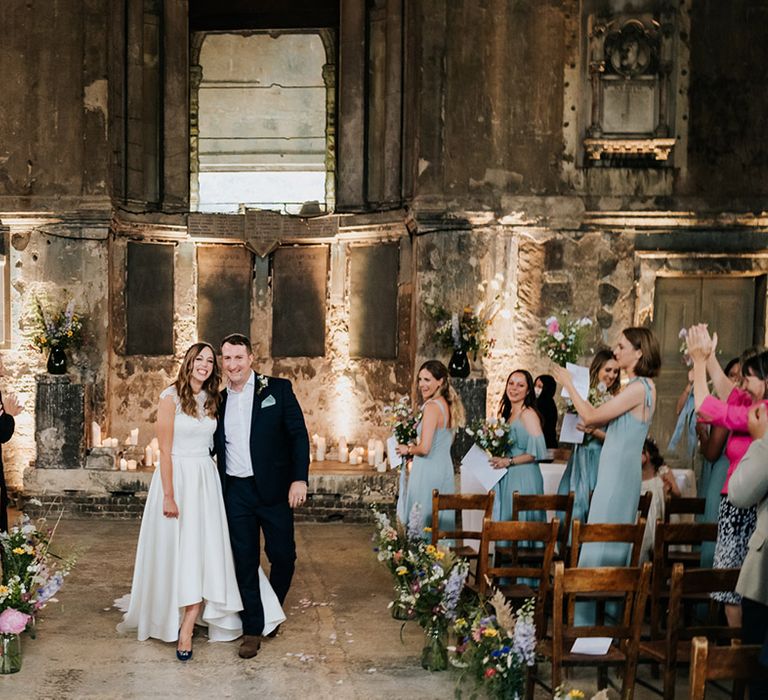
{"x": 237, "y": 429}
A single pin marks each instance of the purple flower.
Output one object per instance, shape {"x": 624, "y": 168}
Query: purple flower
{"x": 415, "y": 525}
{"x": 50, "y": 589}
{"x": 453, "y": 589}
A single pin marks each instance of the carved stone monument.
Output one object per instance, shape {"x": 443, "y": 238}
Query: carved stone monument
{"x": 59, "y": 422}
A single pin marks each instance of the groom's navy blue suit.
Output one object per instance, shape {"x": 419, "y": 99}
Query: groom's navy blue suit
{"x": 279, "y": 450}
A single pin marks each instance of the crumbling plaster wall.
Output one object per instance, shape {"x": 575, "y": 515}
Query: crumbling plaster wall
{"x": 545, "y": 271}
{"x": 55, "y": 262}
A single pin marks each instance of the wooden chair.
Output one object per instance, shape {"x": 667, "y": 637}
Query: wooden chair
{"x": 710, "y": 663}
{"x": 644, "y": 505}
{"x": 687, "y": 585}
{"x": 607, "y": 532}
{"x": 667, "y": 536}
{"x": 516, "y": 531}
{"x": 675, "y": 505}
{"x": 459, "y": 502}
{"x": 561, "y": 504}
{"x": 629, "y": 582}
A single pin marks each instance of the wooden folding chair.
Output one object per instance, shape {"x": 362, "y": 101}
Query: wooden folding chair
{"x": 515, "y": 532}
{"x": 629, "y": 582}
{"x": 667, "y": 536}
{"x": 739, "y": 663}
{"x": 686, "y": 588}
{"x": 676, "y": 505}
{"x": 460, "y": 502}
{"x": 563, "y": 507}
{"x": 644, "y": 505}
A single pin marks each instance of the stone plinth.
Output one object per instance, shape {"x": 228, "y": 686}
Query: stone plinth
{"x": 473, "y": 392}
{"x": 59, "y": 423}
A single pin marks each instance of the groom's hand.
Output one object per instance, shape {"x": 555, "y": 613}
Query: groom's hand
{"x": 297, "y": 494}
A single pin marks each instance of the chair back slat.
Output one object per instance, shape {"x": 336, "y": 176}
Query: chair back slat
{"x": 683, "y": 505}
{"x": 562, "y": 504}
{"x": 737, "y": 663}
{"x": 458, "y": 502}
{"x": 631, "y": 533}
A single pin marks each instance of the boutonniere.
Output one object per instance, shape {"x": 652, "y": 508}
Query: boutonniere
{"x": 262, "y": 382}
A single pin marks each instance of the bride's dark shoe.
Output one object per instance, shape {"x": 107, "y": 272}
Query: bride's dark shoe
{"x": 183, "y": 655}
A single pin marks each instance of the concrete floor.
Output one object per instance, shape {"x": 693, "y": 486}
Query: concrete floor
{"x": 339, "y": 640}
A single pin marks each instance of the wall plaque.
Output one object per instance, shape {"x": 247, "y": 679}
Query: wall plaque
{"x": 149, "y": 299}
{"x": 373, "y": 272}
{"x": 299, "y": 281}
{"x": 224, "y": 276}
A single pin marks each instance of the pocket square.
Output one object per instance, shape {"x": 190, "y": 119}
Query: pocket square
{"x": 269, "y": 401}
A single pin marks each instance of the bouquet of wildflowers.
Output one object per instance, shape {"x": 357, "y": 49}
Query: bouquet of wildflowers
{"x": 562, "y": 338}
{"x": 597, "y": 396}
{"x": 494, "y": 649}
{"x": 683, "y": 336}
{"x": 493, "y": 436}
{"x": 30, "y": 576}
{"x": 62, "y": 329}
{"x": 403, "y": 420}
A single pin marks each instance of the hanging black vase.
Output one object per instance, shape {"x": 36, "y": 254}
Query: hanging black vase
{"x": 458, "y": 365}
{"x": 57, "y": 361}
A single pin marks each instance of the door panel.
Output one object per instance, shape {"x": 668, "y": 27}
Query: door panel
{"x": 726, "y": 304}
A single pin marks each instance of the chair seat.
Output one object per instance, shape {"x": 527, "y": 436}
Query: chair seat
{"x": 656, "y": 650}
{"x": 518, "y": 590}
{"x": 465, "y": 551}
{"x": 613, "y": 656}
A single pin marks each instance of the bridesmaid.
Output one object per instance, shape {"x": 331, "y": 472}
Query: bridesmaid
{"x": 517, "y": 407}
{"x": 432, "y": 466}
{"x": 580, "y": 475}
{"x": 628, "y": 416}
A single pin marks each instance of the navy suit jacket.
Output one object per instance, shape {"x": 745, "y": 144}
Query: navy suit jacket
{"x": 279, "y": 441}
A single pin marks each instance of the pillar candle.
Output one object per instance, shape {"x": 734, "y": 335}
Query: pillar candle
{"x": 148, "y": 456}
{"x": 371, "y": 452}
{"x": 132, "y": 465}
{"x": 95, "y": 434}
{"x": 156, "y": 457}
{"x": 123, "y": 464}
{"x": 154, "y": 444}
{"x": 378, "y": 452}
{"x": 342, "y": 443}
{"x": 353, "y": 458}
{"x": 134, "y": 436}
{"x": 320, "y": 448}
{"x": 343, "y": 454}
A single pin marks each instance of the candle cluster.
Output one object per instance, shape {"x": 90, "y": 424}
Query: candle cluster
{"x": 373, "y": 455}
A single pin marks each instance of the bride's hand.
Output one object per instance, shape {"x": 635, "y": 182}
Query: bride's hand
{"x": 170, "y": 509}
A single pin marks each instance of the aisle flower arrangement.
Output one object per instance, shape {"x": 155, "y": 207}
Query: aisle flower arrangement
{"x": 495, "y": 649}
{"x": 563, "y": 339}
{"x": 493, "y": 436}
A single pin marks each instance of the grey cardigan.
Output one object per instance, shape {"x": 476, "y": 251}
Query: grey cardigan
{"x": 748, "y": 486}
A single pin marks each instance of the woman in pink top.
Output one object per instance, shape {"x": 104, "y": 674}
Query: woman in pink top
{"x": 735, "y": 525}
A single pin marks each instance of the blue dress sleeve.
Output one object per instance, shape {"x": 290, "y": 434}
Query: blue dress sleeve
{"x": 536, "y": 446}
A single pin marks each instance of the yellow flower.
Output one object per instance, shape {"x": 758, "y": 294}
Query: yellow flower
{"x": 576, "y": 693}
{"x": 461, "y": 622}
{"x": 69, "y": 334}
{"x": 18, "y": 550}
{"x": 4, "y": 590}
{"x": 401, "y": 571}
{"x": 439, "y": 555}
{"x": 43, "y": 341}
{"x": 431, "y": 549}
{"x": 427, "y": 529}
{"x": 490, "y": 632}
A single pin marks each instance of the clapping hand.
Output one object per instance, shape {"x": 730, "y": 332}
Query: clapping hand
{"x": 10, "y": 405}
{"x": 562, "y": 376}
{"x": 700, "y": 344}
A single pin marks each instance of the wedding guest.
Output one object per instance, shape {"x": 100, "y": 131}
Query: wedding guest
{"x": 748, "y": 488}
{"x": 734, "y": 525}
{"x": 432, "y": 468}
{"x": 184, "y": 570}
{"x": 580, "y": 475}
{"x": 628, "y": 416}
{"x": 9, "y": 409}
{"x": 544, "y": 387}
{"x": 523, "y": 474}
{"x": 658, "y": 479}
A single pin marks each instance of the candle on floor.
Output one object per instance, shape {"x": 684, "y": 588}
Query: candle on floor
{"x": 95, "y": 434}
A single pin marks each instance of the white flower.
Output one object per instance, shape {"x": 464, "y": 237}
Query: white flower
{"x": 551, "y": 319}
{"x": 683, "y": 333}
{"x": 585, "y": 321}
{"x": 601, "y": 387}
{"x": 558, "y": 336}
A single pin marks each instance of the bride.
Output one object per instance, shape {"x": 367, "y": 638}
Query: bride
{"x": 184, "y": 572}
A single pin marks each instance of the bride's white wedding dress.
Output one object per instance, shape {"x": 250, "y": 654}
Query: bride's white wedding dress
{"x": 182, "y": 561}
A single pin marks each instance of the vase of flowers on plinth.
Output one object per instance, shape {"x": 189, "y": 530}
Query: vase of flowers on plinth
{"x": 54, "y": 332}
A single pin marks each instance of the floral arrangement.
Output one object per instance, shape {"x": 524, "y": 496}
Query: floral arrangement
{"x": 467, "y": 329}
{"x": 30, "y": 577}
{"x": 403, "y": 420}
{"x": 683, "y": 336}
{"x": 597, "y": 396}
{"x": 495, "y": 649}
{"x": 562, "y": 338}
{"x": 492, "y": 436}
{"x": 61, "y": 329}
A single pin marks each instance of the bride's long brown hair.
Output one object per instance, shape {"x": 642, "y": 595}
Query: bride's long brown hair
{"x": 210, "y": 385}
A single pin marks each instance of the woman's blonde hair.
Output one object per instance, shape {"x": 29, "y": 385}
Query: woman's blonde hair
{"x": 439, "y": 371}
{"x": 210, "y": 386}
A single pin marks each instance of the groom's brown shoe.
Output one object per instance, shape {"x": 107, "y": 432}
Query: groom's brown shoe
{"x": 249, "y": 647}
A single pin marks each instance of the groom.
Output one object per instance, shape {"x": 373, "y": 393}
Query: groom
{"x": 262, "y": 450}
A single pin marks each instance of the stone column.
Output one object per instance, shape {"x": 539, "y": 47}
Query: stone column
{"x": 473, "y": 392}
{"x": 59, "y": 422}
